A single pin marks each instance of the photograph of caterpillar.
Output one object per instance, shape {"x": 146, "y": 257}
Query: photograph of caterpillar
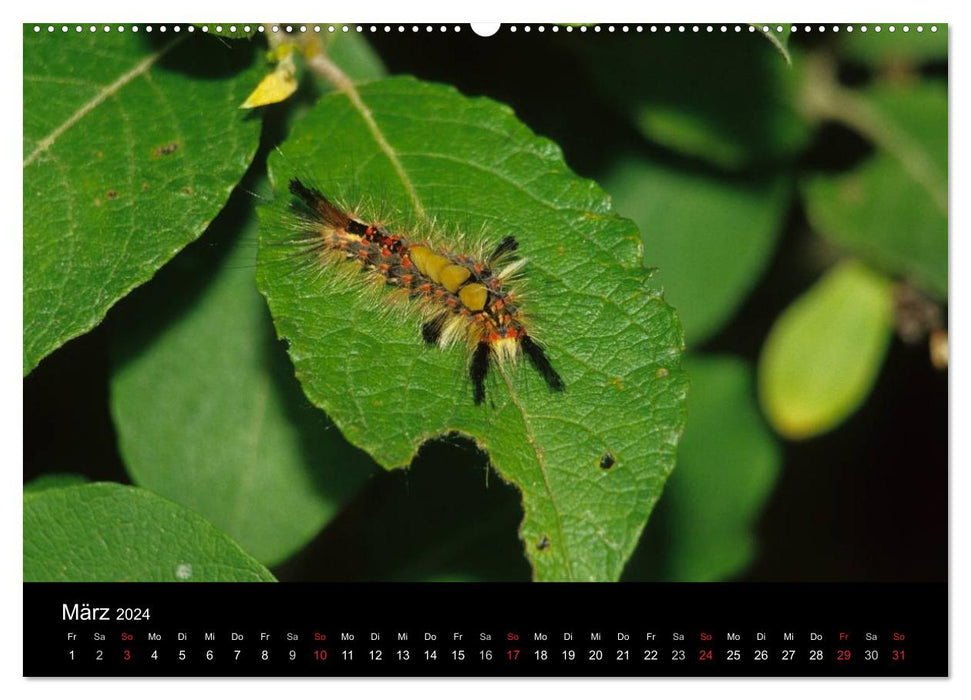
{"x": 466, "y": 297}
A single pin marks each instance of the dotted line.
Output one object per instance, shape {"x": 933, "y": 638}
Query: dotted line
{"x": 400, "y": 28}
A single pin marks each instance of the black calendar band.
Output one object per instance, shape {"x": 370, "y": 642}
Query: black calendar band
{"x": 479, "y": 629}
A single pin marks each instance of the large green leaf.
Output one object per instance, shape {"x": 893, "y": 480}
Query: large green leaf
{"x": 110, "y": 532}
{"x": 130, "y": 149}
{"x": 892, "y": 208}
{"x": 206, "y": 407}
{"x": 429, "y": 153}
{"x": 728, "y": 463}
{"x": 825, "y": 350}
{"x": 723, "y": 98}
{"x": 710, "y": 237}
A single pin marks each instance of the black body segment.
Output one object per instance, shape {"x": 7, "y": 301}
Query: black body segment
{"x": 541, "y": 363}
{"x": 478, "y": 369}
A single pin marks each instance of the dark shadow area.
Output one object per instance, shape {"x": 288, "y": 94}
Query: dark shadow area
{"x": 203, "y": 56}
{"x": 447, "y": 517}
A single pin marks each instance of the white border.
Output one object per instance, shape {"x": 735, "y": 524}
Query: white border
{"x": 509, "y": 11}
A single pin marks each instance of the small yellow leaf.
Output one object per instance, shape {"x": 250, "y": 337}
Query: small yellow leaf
{"x": 275, "y": 87}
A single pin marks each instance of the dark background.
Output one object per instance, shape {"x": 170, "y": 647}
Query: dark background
{"x": 866, "y": 502}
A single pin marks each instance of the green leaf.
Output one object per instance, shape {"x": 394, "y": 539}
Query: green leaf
{"x": 723, "y": 98}
{"x": 892, "y": 208}
{"x": 896, "y": 47}
{"x": 131, "y": 147}
{"x": 780, "y": 40}
{"x": 711, "y": 237}
{"x": 53, "y": 481}
{"x": 728, "y": 463}
{"x": 110, "y": 532}
{"x": 431, "y": 154}
{"x": 236, "y": 441}
{"x": 824, "y": 352}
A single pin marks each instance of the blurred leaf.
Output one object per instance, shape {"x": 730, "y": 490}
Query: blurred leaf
{"x": 723, "y": 98}
{"x": 728, "y": 463}
{"x": 236, "y": 441}
{"x": 432, "y": 154}
{"x": 110, "y": 532}
{"x": 892, "y": 208}
{"x": 825, "y": 350}
{"x": 710, "y": 237}
{"x": 780, "y": 40}
{"x": 130, "y": 150}
{"x": 53, "y": 481}
{"x": 355, "y": 56}
{"x": 897, "y": 47}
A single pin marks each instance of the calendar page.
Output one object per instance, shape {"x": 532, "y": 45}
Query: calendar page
{"x": 550, "y": 349}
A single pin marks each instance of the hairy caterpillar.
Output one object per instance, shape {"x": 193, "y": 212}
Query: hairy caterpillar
{"x": 464, "y": 298}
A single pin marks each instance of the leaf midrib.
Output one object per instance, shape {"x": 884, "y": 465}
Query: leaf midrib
{"x": 141, "y": 67}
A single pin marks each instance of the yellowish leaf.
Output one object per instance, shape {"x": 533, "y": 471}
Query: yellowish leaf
{"x": 275, "y": 87}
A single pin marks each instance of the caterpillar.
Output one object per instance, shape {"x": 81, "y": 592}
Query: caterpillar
{"x": 464, "y": 298}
